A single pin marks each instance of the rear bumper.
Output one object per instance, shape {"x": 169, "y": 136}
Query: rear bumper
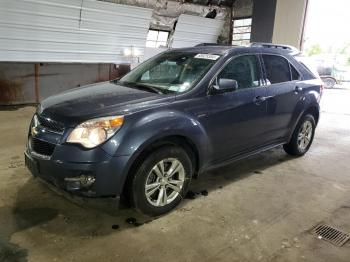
{"x": 103, "y": 178}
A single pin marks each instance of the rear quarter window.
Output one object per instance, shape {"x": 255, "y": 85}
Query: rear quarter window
{"x": 308, "y": 65}
{"x": 295, "y": 73}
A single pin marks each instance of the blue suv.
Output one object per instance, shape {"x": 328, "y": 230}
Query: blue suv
{"x": 182, "y": 112}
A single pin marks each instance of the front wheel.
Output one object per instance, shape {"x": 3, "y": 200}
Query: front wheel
{"x": 302, "y": 137}
{"x": 161, "y": 181}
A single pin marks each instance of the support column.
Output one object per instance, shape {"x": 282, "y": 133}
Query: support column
{"x": 289, "y": 22}
{"x": 263, "y": 20}
{"x": 279, "y": 21}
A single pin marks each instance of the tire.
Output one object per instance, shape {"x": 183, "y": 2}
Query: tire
{"x": 329, "y": 82}
{"x": 301, "y": 139}
{"x": 150, "y": 172}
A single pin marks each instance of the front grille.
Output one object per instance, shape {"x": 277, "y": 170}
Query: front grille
{"x": 41, "y": 147}
{"x": 50, "y": 124}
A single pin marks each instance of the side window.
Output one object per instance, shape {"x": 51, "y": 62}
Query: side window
{"x": 277, "y": 69}
{"x": 295, "y": 73}
{"x": 244, "y": 69}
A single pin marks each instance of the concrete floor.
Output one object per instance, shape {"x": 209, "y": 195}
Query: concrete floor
{"x": 259, "y": 209}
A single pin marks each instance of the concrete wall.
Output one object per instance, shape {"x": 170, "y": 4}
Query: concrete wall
{"x": 166, "y": 13}
{"x": 278, "y": 21}
{"x": 242, "y": 8}
{"x": 289, "y": 22}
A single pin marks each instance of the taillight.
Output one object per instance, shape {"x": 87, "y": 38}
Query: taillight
{"x": 321, "y": 92}
{"x": 321, "y": 89}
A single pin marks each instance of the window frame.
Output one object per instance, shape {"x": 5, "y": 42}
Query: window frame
{"x": 261, "y": 80}
{"x": 233, "y": 27}
{"x": 290, "y": 69}
{"x": 296, "y": 69}
{"x": 156, "y": 41}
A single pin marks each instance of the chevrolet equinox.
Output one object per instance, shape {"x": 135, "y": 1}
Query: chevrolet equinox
{"x": 182, "y": 112}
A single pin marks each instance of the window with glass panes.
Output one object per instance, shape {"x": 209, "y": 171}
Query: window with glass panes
{"x": 157, "y": 38}
{"x": 242, "y": 28}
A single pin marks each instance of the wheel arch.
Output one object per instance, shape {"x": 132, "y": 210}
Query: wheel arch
{"x": 314, "y": 111}
{"x": 170, "y": 140}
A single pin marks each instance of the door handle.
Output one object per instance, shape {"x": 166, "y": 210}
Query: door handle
{"x": 298, "y": 89}
{"x": 259, "y": 99}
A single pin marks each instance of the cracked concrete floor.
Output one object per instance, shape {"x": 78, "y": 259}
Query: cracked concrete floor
{"x": 258, "y": 209}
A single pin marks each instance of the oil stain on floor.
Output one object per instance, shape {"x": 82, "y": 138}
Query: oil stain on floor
{"x": 21, "y": 219}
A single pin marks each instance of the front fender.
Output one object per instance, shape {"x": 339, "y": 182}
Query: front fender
{"x": 143, "y": 130}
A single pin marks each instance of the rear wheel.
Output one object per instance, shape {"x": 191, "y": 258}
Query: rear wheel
{"x": 329, "y": 82}
{"x": 302, "y": 137}
{"x": 161, "y": 181}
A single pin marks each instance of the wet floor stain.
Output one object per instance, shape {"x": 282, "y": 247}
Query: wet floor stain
{"x": 16, "y": 220}
{"x": 115, "y": 227}
{"x": 190, "y": 195}
{"x": 131, "y": 220}
{"x": 12, "y": 253}
{"x": 204, "y": 193}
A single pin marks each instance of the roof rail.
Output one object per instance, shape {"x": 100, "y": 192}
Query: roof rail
{"x": 212, "y": 44}
{"x": 288, "y": 48}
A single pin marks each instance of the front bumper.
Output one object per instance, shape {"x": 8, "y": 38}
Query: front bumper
{"x": 74, "y": 170}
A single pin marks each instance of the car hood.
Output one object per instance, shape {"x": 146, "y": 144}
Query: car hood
{"x": 98, "y": 100}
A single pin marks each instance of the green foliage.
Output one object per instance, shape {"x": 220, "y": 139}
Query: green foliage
{"x": 314, "y": 50}
{"x": 345, "y": 49}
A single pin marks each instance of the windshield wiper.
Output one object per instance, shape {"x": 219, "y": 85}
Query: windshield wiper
{"x": 142, "y": 87}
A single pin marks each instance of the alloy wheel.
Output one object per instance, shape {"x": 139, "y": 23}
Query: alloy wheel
{"x": 305, "y": 135}
{"x": 164, "y": 182}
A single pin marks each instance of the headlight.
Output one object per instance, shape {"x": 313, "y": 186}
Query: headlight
{"x": 96, "y": 131}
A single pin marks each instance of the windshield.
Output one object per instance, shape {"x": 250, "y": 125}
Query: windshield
{"x": 170, "y": 72}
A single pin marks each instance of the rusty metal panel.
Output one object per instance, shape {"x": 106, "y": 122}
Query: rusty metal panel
{"x": 22, "y": 83}
{"x": 16, "y": 83}
{"x": 56, "y": 78}
{"x": 83, "y": 31}
{"x": 191, "y": 30}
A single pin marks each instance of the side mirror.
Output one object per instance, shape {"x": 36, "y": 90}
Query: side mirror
{"x": 225, "y": 85}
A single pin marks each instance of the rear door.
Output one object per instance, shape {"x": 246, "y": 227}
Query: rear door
{"x": 283, "y": 93}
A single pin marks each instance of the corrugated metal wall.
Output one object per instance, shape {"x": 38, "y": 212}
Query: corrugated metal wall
{"x": 82, "y": 31}
{"x": 48, "y": 46}
{"x": 191, "y": 30}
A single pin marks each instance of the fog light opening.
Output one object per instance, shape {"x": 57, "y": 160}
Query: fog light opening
{"x": 81, "y": 182}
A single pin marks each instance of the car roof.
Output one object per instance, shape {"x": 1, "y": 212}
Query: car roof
{"x": 213, "y": 49}
{"x": 224, "y": 49}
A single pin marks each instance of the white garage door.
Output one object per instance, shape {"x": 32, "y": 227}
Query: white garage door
{"x": 83, "y": 31}
{"x": 192, "y": 30}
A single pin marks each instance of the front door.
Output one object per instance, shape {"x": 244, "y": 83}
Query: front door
{"x": 235, "y": 121}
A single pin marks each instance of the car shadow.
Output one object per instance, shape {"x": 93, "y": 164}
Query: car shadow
{"x": 38, "y": 206}
{"x": 254, "y": 165}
